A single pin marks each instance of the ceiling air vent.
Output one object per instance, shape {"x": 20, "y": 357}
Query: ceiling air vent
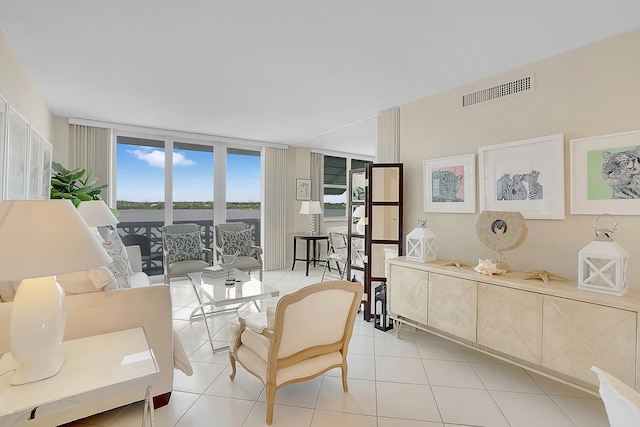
{"x": 524, "y": 84}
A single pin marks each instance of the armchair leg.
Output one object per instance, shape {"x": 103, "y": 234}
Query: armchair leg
{"x": 233, "y": 366}
{"x": 271, "y": 398}
{"x": 345, "y": 369}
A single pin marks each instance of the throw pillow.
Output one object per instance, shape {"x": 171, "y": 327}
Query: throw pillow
{"x": 120, "y": 265}
{"x": 183, "y": 246}
{"x": 95, "y": 279}
{"x": 236, "y": 241}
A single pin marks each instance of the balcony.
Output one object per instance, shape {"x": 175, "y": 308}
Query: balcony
{"x": 148, "y": 235}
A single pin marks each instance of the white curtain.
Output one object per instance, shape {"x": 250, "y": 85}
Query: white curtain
{"x": 274, "y": 221}
{"x": 90, "y": 148}
{"x": 388, "y": 145}
{"x": 317, "y": 175}
{"x": 317, "y": 179}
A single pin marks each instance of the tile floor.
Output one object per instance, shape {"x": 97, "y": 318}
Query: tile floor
{"x": 417, "y": 380}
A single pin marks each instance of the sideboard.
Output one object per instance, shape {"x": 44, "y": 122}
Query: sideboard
{"x": 554, "y": 329}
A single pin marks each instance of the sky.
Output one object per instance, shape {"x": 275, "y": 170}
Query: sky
{"x": 140, "y": 175}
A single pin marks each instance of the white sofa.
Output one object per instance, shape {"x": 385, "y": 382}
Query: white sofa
{"x": 107, "y": 311}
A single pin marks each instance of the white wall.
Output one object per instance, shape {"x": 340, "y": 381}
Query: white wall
{"x": 594, "y": 90}
{"x": 18, "y": 89}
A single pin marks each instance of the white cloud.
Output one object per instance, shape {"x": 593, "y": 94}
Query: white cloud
{"x": 155, "y": 158}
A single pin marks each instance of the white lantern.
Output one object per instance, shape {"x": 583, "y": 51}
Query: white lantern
{"x": 421, "y": 243}
{"x": 603, "y": 264}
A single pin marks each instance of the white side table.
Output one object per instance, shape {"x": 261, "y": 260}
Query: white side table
{"x": 95, "y": 367}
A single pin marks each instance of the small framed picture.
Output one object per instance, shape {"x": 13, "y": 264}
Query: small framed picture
{"x": 450, "y": 184}
{"x": 605, "y": 174}
{"x": 524, "y": 176}
{"x": 303, "y": 189}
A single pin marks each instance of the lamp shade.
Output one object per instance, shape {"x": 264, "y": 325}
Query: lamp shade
{"x": 96, "y": 213}
{"x": 310, "y": 208}
{"x": 358, "y": 212}
{"x": 44, "y": 238}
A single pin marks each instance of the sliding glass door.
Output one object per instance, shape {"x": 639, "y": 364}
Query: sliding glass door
{"x": 202, "y": 182}
{"x": 243, "y": 187}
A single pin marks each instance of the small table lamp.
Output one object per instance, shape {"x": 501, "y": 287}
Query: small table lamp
{"x": 41, "y": 238}
{"x": 358, "y": 213}
{"x": 96, "y": 214}
{"x": 311, "y": 208}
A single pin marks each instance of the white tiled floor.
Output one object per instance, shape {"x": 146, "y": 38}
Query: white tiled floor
{"x": 416, "y": 380}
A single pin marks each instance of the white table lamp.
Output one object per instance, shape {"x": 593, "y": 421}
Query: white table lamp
{"x": 311, "y": 208}
{"x": 96, "y": 214}
{"x": 41, "y": 238}
{"x": 358, "y": 213}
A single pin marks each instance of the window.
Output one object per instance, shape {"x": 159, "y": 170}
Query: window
{"x": 206, "y": 180}
{"x": 243, "y": 191}
{"x": 335, "y": 184}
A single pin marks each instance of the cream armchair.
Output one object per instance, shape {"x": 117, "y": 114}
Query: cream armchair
{"x": 182, "y": 251}
{"x": 235, "y": 237}
{"x": 306, "y": 335}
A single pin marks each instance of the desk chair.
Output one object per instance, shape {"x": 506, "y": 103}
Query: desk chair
{"x": 336, "y": 253}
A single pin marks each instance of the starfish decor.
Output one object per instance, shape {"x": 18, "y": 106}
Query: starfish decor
{"x": 543, "y": 275}
{"x": 457, "y": 263}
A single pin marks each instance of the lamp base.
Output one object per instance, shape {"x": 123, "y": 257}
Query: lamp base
{"x": 27, "y": 374}
{"x": 37, "y": 326}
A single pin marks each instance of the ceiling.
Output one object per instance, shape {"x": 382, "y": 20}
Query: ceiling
{"x": 305, "y": 73}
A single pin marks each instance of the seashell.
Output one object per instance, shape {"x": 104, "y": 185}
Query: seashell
{"x": 488, "y": 267}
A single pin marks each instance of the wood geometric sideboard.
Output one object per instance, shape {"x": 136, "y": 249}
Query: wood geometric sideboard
{"x": 553, "y": 329}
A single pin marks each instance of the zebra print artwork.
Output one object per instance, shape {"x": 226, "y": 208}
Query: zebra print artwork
{"x": 519, "y": 187}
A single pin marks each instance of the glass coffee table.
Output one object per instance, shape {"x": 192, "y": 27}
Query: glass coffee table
{"x": 216, "y": 297}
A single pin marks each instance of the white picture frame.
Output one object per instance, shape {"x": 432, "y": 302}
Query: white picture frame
{"x": 47, "y": 158}
{"x": 3, "y": 146}
{"x": 16, "y": 157}
{"x": 303, "y": 189}
{"x": 533, "y": 166}
{"x": 450, "y": 184}
{"x": 35, "y": 165}
{"x": 590, "y": 193}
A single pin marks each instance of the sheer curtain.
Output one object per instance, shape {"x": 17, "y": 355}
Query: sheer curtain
{"x": 90, "y": 148}
{"x": 317, "y": 179}
{"x": 388, "y": 145}
{"x": 274, "y": 221}
{"x": 317, "y": 172}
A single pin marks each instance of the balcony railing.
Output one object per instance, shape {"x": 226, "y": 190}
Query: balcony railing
{"x": 143, "y": 232}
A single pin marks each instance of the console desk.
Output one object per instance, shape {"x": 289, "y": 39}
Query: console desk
{"x": 312, "y": 240}
{"x": 553, "y": 329}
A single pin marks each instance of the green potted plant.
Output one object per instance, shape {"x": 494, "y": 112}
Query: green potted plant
{"x": 73, "y": 185}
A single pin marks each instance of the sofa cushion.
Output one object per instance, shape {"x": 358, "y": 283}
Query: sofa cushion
{"x": 236, "y": 241}
{"x": 93, "y": 280}
{"x": 120, "y": 266}
{"x": 138, "y": 280}
{"x": 183, "y": 246}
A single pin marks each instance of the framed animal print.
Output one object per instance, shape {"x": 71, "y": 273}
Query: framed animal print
{"x": 450, "y": 184}
{"x": 524, "y": 176}
{"x": 605, "y": 174}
